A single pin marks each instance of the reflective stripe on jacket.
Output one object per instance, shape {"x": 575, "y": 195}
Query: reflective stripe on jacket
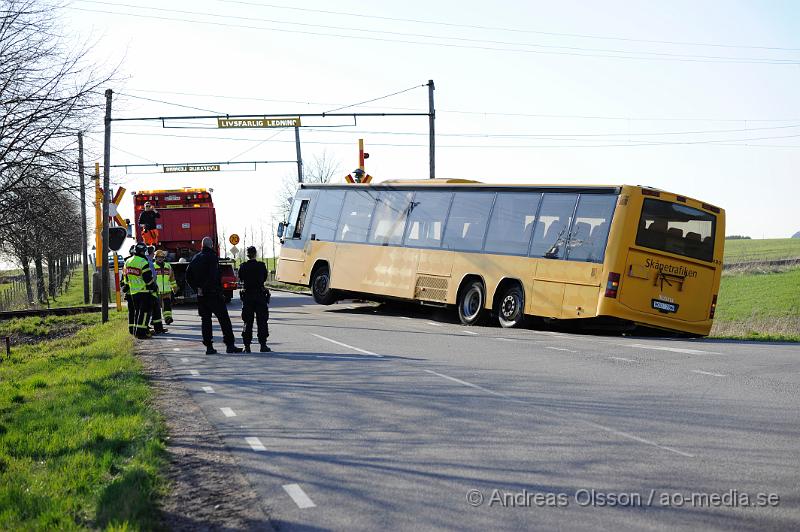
{"x": 165, "y": 278}
{"x": 134, "y": 271}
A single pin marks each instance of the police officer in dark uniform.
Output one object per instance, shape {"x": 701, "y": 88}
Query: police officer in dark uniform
{"x": 202, "y": 274}
{"x": 255, "y": 300}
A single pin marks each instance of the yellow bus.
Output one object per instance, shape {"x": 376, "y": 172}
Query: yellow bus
{"x": 624, "y": 255}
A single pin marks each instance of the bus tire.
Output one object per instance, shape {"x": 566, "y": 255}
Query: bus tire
{"x": 471, "y": 301}
{"x": 511, "y": 307}
{"x": 321, "y": 286}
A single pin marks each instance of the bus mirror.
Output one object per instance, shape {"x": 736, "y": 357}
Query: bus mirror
{"x": 281, "y": 227}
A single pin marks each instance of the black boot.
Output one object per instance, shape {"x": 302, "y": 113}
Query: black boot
{"x": 210, "y": 350}
{"x": 247, "y": 348}
{"x": 233, "y": 349}
{"x": 265, "y": 348}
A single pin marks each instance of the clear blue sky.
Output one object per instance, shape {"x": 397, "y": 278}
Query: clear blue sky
{"x": 700, "y": 98}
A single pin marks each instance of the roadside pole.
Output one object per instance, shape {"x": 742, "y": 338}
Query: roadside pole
{"x": 106, "y": 193}
{"x": 299, "y": 156}
{"x": 84, "y": 236}
{"x": 431, "y": 118}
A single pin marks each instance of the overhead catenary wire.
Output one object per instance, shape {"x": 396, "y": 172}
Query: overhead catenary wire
{"x": 652, "y": 57}
{"x": 173, "y": 104}
{"x": 506, "y": 29}
{"x": 375, "y": 99}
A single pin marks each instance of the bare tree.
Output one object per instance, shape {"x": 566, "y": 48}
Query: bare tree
{"x": 321, "y": 169}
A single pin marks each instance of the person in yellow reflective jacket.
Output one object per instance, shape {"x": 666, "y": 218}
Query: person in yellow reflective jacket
{"x": 141, "y": 285}
{"x": 165, "y": 282}
{"x": 126, "y": 290}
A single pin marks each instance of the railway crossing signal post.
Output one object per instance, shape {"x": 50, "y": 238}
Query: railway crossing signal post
{"x": 106, "y": 192}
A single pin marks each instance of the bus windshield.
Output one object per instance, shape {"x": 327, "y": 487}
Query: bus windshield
{"x": 676, "y": 228}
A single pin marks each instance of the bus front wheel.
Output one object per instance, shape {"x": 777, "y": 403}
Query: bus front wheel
{"x": 511, "y": 307}
{"x": 470, "y": 303}
{"x": 321, "y": 286}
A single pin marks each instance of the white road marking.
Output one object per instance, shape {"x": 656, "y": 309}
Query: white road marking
{"x": 176, "y": 348}
{"x": 228, "y": 411}
{"x": 299, "y": 496}
{"x": 184, "y": 359}
{"x": 194, "y": 372}
{"x": 560, "y": 349}
{"x": 707, "y": 373}
{"x": 590, "y": 423}
{"x": 170, "y": 340}
{"x": 622, "y": 359}
{"x": 465, "y": 383}
{"x": 255, "y": 443}
{"x": 504, "y": 339}
{"x": 636, "y": 438}
{"x": 673, "y": 349}
{"x": 433, "y": 323}
{"x": 470, "y": 332}
{"x": 208, "y": 389}
{"x": 370, "y": 353}
{"x": 404, "y": 318}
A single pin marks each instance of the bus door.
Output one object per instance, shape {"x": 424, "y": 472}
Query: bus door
{"x": 664, "y": 273}
{"x": 295, "y": 238}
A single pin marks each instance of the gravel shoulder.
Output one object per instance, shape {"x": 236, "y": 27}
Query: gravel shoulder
{"x": 206, "y": 488}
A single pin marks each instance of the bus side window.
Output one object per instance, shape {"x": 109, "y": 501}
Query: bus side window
{"x": 556, "y": 215}
{"x": 511, "y": 222}
{"x": 356, "y": 215}
{"x": 587, "y": 240}
{"x": 426, "y": 219}
{"x": 325, "y": 217}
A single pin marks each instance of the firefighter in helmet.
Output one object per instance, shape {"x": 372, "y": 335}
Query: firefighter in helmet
{"x": 165, "y": 281}
{"x": 141, "y": 284}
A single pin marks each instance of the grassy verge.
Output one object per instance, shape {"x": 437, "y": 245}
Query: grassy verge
{"x": 80, "y": 445}
{"x": 761, "y": 249}
{"x": 761, "y": 306}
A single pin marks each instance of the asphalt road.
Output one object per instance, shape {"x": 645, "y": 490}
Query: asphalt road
{"x": 366, "y": 418}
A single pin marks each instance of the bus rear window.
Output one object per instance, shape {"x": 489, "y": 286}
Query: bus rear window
{"x": 677, "y": 229}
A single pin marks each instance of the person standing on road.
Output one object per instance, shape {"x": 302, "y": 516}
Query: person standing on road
{"x": 255, "y": 300}
{"x": 140, "y": 286}
{"x": 155, "y": 313}
{"x": 126, "y": 290}
{"x": 165, "y": 281}
{"x": 148, "y": 224}
{"x": 202, "y": 274}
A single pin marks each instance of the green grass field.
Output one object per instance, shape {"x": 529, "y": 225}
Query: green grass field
{"x": 766, "y": 249}
{"x": 759, "y": 306}
{"x": 80, "y": 445}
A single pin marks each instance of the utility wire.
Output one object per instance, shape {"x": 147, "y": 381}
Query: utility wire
{"x": 169, "y": 103}
{"x": 688, "y": 59}
{"x": 415, "y": 35}
{"x": 514, "y": 30}
{"x": 251, "y": 148}
{"x": 375, "y": 99}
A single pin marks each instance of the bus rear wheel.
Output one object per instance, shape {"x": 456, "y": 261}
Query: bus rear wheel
{"x": 470, "y": 303}
{"x": 511, "y": 307}
{"x": 321, "y": 286}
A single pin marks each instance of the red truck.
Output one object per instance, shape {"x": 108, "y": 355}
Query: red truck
{"x": 186, "y": 216}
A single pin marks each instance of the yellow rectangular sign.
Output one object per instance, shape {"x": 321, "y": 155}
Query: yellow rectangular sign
{"x": 192, "y": 168}
{"x": 258, "y": 122}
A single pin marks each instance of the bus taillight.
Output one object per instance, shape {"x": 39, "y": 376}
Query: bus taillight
{"x": 713, "y": 307}
{"x": 613, "y": 285}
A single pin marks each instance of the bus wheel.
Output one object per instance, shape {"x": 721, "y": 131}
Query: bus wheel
{"x": 470, "y": 303}
{"x": 321, "y": 286}
{"x": 511, "y": 307}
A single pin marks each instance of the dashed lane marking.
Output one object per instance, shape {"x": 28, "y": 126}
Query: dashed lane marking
{"x": 433, "y": 323}
{"x": 404, "y": 318}
{"x": 194, "y": 372}
{"x": 255, "y": 443}
{"x": 623, "y": 359}
{"x": 504, "y": 339}
{"x": 470, "y": 332}
{"x": 370, "y": 353}
{"x": 560, "y": 349}
{"x": 465, "y": 383}
{"x": 184, "y": 360}
{"x": 683, "y": 350}
{"x": 208, "y": 389}
{"x": 707, "y": 373}
{"x": 299, "y": 496}
{"x": 228, "y": 411}
{"x": 176, "y": 348}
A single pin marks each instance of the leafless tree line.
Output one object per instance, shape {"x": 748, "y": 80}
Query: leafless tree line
{"x": 49, "y": 91}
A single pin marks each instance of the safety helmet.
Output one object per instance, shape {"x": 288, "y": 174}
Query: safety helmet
{"x": 141, "y": 249}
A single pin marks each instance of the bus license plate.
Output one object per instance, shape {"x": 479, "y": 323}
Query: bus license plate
{"x": 663, "y": 306}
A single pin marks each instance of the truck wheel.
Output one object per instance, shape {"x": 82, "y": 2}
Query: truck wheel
{"x": 321, "y": 286}
{"x": 511, "y": 307}
{"x": 470, "y": 303}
